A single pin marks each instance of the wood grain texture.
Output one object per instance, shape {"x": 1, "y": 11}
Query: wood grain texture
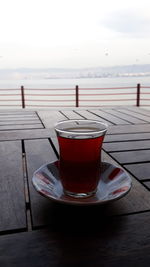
{"x": 12, "y": 208}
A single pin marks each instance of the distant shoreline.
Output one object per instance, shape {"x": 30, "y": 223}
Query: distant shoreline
{"x": 76, "y": 77}
{"x": 134, "y": 70}
{"x": 99, "y": 77}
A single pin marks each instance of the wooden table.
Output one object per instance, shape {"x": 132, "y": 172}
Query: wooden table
{"x": 35, "y": 231}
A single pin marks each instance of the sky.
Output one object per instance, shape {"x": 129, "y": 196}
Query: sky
{"x": 74, "y": 33}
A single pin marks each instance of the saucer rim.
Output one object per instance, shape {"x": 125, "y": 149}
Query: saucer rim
{"x": 80, "y": 201}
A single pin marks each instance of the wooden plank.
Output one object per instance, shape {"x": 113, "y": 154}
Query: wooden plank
{"x": 131, "y": 156}
{"x": 38, "y": 152}
{"x": 122, "y": 129}
{"x": 140, "y": 170}
{"x": 24, "y": 119}
{"x": 129, "y": 117}
{"x": 17, "y": 112}
{"x": 20, "y": 127}
{"x": 24, "y": 134}
{"x": 126, "y": 137}
{"x": 12, "y": 208}
{"x": 71, "y": 115}
{"x": 23, "y": 122}
{"x": 135, "y": 115}
{"x": 50, "y": 118}
{"x": 139, "y": 110}
{"x": 18, "y": 116}
{"x": 87, "y": 115}
{"x": 123, "y": 146}
{"x": 138, "y": 199}
{"x": 108, "y": 117}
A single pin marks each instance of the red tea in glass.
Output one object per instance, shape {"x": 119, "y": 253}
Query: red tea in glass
{"x": 80, "y": 143}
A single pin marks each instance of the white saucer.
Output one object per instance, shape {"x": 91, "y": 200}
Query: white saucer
{"x": 114, "y": 183}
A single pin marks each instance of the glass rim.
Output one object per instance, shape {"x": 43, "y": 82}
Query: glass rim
{"x": 79, "y": 132}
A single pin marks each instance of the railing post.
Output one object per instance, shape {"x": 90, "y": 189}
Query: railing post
{"x": 138, "y": 95}
{"x": 77, "y": 96}
{"x": 22, "y": 97}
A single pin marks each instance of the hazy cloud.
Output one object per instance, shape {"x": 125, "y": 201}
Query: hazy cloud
{"x": 129, "y": 22}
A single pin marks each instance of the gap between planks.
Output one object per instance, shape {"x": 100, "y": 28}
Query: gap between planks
{"x": 26, "y": 189}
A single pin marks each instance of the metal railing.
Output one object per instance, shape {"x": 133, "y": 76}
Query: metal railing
{"x": 78, "y": 97}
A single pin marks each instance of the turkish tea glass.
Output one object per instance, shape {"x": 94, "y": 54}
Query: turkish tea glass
{"x": 80, "y": 144}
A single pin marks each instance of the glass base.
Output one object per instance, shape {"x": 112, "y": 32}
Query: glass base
{"x": 79, "y": 195}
